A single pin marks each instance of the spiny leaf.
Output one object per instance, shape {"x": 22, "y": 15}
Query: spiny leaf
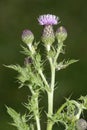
{"x": 12, "y": 113}
{"x": 18, "y": 120}
{"x": 71, "y": 61}
{"x": 64, "y": 64}
{"x": 15, "y": 67}
{"x": 26, "y": 51}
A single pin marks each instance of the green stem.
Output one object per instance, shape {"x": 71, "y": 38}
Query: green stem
{"x": 37, "y": 115}
{"x": 52, "y": 62}
{"x": 49, "y": 125}
{"x": 43, "y": 78}
{"x": 58, "y": 51}
{"x": 51, "y": 94}
{"x": 62, "y": 107}
{"x": 38, "y": 123}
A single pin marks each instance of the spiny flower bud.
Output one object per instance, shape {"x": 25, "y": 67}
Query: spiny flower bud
{"x": 27, "y": 36}
{"x": 61, "y": 34}
{"x": 81, "y": 124}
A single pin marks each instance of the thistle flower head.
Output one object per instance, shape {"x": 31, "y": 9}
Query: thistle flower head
{"x": 27, "y": 36}
{"x": 48, "y": 35}
{"x": 48, "y": 19}
{"x": 61, "y": 34}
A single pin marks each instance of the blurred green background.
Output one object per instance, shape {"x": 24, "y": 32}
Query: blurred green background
{"x": 17, "y": 15}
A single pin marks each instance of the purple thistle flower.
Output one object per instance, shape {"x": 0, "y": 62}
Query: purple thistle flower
{"x": 48, "y": 19}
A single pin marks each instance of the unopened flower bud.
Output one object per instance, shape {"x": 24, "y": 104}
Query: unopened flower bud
{"x": 81, "y": 124}
{"x": 61, "y": 34}
{"x": 27, "y": 36}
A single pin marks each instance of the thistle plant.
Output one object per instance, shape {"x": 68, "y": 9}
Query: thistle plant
{"x": 33, "y": 75}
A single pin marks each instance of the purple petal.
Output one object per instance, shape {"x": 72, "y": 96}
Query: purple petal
{"x": 48, "y": 19}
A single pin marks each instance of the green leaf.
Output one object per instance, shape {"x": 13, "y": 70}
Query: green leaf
{"x": 26, "y": 51}
{"x": 64, "y": 64}
{"x": 18, "y": 120}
